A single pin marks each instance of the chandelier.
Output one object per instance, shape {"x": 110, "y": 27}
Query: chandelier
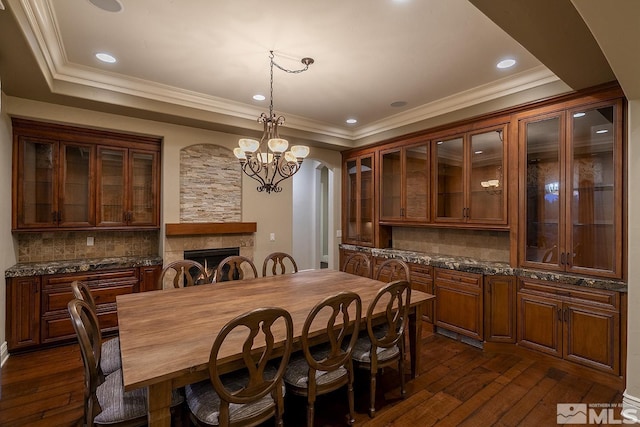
{"x": 268, "y": 161}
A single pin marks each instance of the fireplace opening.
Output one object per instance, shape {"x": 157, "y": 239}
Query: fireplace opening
{"x": 210, "y": 258}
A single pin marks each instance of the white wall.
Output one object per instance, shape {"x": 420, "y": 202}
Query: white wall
{"x": 304, "y": 218}
{"x": 7, "y": 244}
{"x": 632, "y": 392}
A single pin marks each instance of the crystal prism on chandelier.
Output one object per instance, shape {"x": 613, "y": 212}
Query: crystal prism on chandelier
{"x": 268, "y": 161}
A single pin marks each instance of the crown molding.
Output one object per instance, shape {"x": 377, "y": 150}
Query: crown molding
{"x": 529, "y": 79}
{"x": 37, "y": 21}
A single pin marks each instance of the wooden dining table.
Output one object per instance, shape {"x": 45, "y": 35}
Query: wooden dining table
{"x": 166, "y": 335}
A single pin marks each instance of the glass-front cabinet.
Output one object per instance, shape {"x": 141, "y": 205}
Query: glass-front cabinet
{"x": 404, "y": 184}
{"x": 359, "y": 199}
{"x": 68, "y": 177}
{"x": 470, "y": 177}
{"x": 573, "y": 190}
{"x": 126, "y": 189}
{"x": 54, "y": 184}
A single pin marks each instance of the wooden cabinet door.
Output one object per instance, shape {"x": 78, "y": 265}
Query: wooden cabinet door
{"x": 449, "y": 186}
{"x": 459, "y": 302}
{"x": 592, "y": 337}
{"x": 359, "y": 200}
{"x": 143, "y": 188}
{"x": 391, "y": 203}
{"x": 37, "y": 183}
{"x": 77, "y": 172}
{"x": 486, "y": 183}
{"x": 594, "y": 197}
{"x": 404, "y": 184}
{"x": 500, "y": 309}
{"x": 540, "y": 323}
{"x": 149, "y": 278}
{"x": 23, "y": 312}
{"x": 111, "y": 195}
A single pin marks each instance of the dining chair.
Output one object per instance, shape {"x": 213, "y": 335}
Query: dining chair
{"x": 327, "y": 367}
{"x": 357, "y": 263}
{"x": 391, "y": 270}
{"x": 235, "y": 267}
{"x": 185, "y": 273}
{"x": 280, "y": 262}
{"x": 105, "y": 401}
{"x": 255, "y": 392}
{"x": 110, "y": 348}
{"x": 383, "y": 344}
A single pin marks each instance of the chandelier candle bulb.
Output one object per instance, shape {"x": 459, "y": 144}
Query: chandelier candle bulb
{"x": 239, "y": 153}
{"x": 289, "y": 157}
{"x": 268, "y": 166}
{"x": 278, "y": 145}
{"x": 248, "y": 145}
{"x": 300, "y": 151}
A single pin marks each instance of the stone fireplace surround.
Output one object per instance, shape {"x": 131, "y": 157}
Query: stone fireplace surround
{"x": 200, "y": 236}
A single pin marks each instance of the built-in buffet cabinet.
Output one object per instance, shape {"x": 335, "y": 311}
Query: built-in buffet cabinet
{"x": 550, "y": 174}
{"x": 494, "y": 304}
{"x": 79, "y": 179}
{"x": 37, "y": 313}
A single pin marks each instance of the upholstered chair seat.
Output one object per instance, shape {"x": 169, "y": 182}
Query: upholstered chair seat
{"x": 119, "y": 406}
{"x": 204, "y": 402}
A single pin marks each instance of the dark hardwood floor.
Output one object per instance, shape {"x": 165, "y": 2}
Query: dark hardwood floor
{"x": 459, "y": 385}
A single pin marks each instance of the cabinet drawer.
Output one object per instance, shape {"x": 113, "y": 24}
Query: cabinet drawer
{"x": 59, "y": 327}
{"x": 597, "y": 297}
{"x": 56, "y": 290}
{"x": 423, "y": 273}
{"x": 458, "y": 277}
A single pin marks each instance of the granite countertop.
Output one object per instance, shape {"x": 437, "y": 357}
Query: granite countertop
{"x": 471, "y": 265}
{"x": 79, "y": 265}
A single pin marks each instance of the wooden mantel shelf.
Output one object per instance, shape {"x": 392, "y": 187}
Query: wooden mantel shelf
{"x": 198, "y": 228}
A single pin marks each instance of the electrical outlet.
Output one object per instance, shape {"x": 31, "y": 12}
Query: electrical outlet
{"x": 272, "y": 237}
{"x": 338, "y": 233}
{"x": 90, "y": 241}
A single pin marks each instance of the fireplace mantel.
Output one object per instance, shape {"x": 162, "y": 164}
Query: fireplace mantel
{"x": 208, "y": 228}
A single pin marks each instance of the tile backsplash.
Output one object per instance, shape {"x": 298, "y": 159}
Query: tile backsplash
{"x": 478, "y": 244}
{"x": 66, "y": 245}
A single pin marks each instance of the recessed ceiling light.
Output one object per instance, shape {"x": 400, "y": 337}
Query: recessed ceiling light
{"x": 105, "y": 57}
{"x": 399, "y": 104}
{"x": 259, "y": 97}
{"x": 352, "y": 121}
{"x": 506, "y": 63}
{"x": 602, "y": 131}
{"x": 578, "y": 115}
{"x": 107, "y": 5}
{"x": 478, "y": 152}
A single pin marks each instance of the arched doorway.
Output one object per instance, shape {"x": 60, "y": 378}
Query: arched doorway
{"x": 312, "y": 215}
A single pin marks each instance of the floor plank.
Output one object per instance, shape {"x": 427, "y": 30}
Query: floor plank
{"x": 459, "y": 385}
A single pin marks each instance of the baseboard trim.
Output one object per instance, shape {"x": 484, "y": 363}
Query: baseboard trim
{"x": 4, "y": 353}
{"x": 630, "y": 407}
